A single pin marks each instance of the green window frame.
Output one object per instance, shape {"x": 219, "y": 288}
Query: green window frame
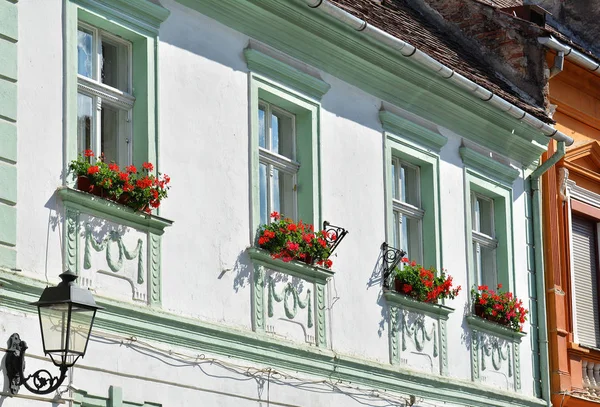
{"x": 427, "y": 162}
{"x": 137, "y": 22}
{"x": 501, "y": 196}
{"x": 307, "y": 118}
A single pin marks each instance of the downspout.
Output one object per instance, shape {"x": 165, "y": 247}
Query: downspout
{"x": 536, "y": 214}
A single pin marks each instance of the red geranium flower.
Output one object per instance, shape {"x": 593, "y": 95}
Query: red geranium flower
{"x": 123, "y": 176}
{"x": 88, "y": 153}
{"x": 328, "y": 263}
{"x": 131, "y": 168}
{"x": 148, "y": 166}
{"x": 113, "y": 167}
{"x": 93, "y": 169}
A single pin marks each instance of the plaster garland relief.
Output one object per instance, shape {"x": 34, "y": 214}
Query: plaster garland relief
{"x": 288, "y": 306}
{"x": 114, "y": 260}
{"x": 495, "y": 360}
{"x": 416, "y": 340}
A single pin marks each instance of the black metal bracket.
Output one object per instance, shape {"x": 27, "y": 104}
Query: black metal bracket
{"x": 42, "y": 380}
{"x": 391, "y": 258}
{"x": 333, "y": 235}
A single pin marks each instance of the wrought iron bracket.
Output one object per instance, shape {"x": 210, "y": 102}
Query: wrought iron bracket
{"x": 391, "y": 258}
{"x": 333, "y": 235}
{"x": 42, "y": 380}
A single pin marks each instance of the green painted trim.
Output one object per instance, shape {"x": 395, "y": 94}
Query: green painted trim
{"x": 17, "y": 292}
{"x": 9, "y": 19}
{"x": 286, "y": 74}
{"x": 8, "y": 100}
{"x": 318, "y": 40}
{"x": 503, "y": 221}
{"x": 307, "y": 113}
{"x": 480, "y": 324}
{"x": 8, "y": 183}
{"x": 488, "y": 166}
{"x": 8, "y": 141}
{"x": 144, "y": 14}
{"x": 113, "y": 211}
{"x": 115, "y": 399}
{"x": 293, "y": 268}
{"x": 8, "y": 59}
{"x": 437, "y": 311}
{"x": 404, "y": 128}
{"x": 8, "y": 225}
{"x": 429, "y": 163}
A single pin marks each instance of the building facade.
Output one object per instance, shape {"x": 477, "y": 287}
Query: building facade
{"x": 570, "y": 222}
{"x": 352, "y": 112}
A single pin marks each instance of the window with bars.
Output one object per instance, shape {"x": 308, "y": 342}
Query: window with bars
{"x": 104, "y": 94}
{"x": 407, "y": 211}
{"x": 484, "y": 240}
{"x": 278, "y": 168}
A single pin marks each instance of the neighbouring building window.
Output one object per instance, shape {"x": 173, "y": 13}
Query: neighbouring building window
{"x": 104, "y": 94}
{"x": 407, "y": 211}
{"x": 484, "y": 240}
{"x": 278, "y": 168}
{"x": 584, "y": 239}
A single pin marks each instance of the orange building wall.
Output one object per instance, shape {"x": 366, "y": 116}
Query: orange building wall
{"x": 576, "y": 94}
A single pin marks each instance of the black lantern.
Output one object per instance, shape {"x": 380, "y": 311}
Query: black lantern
{"x": 66, "y": 315}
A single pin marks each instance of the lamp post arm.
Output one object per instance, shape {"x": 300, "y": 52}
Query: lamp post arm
{"x": 42, "y": 382}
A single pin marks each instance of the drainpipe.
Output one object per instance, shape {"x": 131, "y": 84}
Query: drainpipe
{"x": 536, "y": 214}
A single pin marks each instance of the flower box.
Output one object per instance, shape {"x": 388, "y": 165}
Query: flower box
{"x": 421, "y": 284}
{"x": 498, "y": 307}
{"x": 140, "y": 191}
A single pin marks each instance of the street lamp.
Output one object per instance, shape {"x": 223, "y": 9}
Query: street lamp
{"x": 66, "y": 315}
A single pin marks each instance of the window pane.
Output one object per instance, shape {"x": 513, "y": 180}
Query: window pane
{"x": 394, "y": 180}
{"x": 84, "y": 53}
{"x": 114, "y": 65}
{"x": 262, "y": 182}
{"x": 488, "y": 267}
{"x": 282, "y": 140}
{"x": 396, "y": 230}
{"x": 411, "y": 238}
{"x": 409, "y": 185}
{"x": 261, "y": 127}
{"x": 109, "y": 135}
{"x": 485, "y": 216}
{"x": 283, "y": 193}
{"x": 84, "y": 122}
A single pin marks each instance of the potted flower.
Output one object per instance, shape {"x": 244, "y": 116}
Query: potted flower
{"x": 421, "y": 284}
{"x": 500, "y": 307}
{"x": 139, "y": 190}
{"x": 287, "y": 240}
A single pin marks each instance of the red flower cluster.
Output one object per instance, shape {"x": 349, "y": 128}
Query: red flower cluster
{"x": 500, "y": 307}
{"x": 424, "y": 284}
{"x": 287, "y": 240}
{"x": 140, "y": 191}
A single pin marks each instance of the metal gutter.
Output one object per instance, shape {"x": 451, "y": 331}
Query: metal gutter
{"x": 571, "y": 54}
{"x": 407, "y": 50}
{"x": 540, "y": 284}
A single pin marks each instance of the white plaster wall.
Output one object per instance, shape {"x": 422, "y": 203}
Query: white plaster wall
{"x": 40, "y": 152}
{"x": 204, "y": 128}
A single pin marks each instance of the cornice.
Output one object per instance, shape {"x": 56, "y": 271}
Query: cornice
{"x": 405, "y": 128}
{"x": 273, "y": 68}
{"x": 433, "y": 310}
{"x": 582, "y": 194}
{"x": 142, "y": 13}
{"x": 18, "y": 291}
{"x": 488, "y": 166}
{"x": 294, "y": 28}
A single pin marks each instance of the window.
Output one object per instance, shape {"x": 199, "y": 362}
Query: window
{"x": 283, "y": 153}
{"x": 407, "y": 212}
{"x": 584, "y": 243}
{"x": 104, "y": 94}
{"x": 279, "y": 169}
{"x": 484, "y": 241}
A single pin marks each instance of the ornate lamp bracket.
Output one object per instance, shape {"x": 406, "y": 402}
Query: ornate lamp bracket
{"x": 391, "y": 258}
{"x": 43, "y": 382}
{"x": 333, "y": 235}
